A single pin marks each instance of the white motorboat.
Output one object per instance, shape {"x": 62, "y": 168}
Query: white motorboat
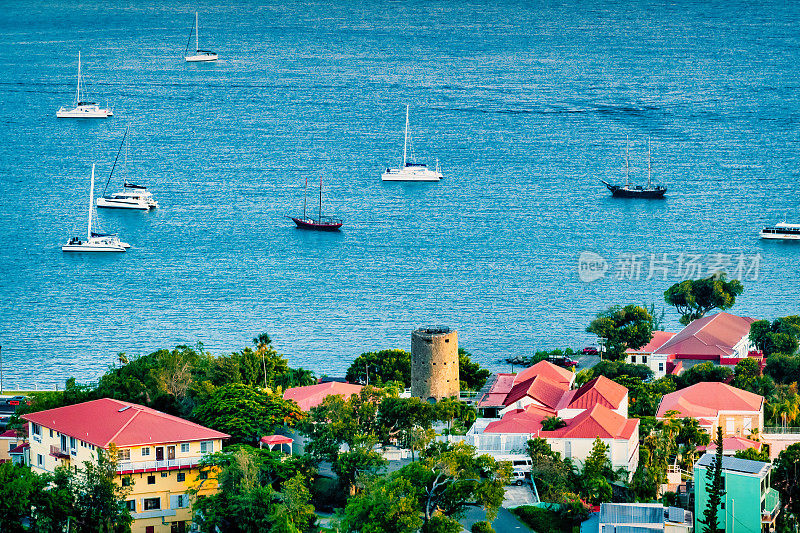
{"x": 199, "y": 55}
{"x": 132, "y": 196}
{"x": 94, "y": 242}
{"x": 782, "y": 231}
{"x": 83, "y": 108}
{"x": 411, "y": 170}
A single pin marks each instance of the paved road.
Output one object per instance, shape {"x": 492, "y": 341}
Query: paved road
{"x": 505, "y": 522}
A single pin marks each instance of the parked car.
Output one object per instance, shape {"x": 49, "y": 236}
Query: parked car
{"x": 518, "y": 477}
{"x": 16, "y": 400}
{"x": 563, "y": 361}
{"x": 590, "y": 350}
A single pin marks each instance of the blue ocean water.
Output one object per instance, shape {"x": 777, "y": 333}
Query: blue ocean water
{"x": 525, "y": 104}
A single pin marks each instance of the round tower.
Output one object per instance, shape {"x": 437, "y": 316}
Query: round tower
{"x": 434, "y": 363}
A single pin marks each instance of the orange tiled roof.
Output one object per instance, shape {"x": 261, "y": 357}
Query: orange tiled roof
{"x": 599, "y": 421}
{"x": 707, "y": 399}
{"x": 547, "y": 369}
{"x": 539, "y": 388}
{"x": 712, "y": 335}
{"x": 599, "y": 390}
{"x": 657, "y": 340}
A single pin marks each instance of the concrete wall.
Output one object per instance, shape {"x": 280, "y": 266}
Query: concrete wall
{"x": 434, "y": 363}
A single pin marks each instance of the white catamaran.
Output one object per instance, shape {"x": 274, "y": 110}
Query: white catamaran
{"x": 199, "y": 55}
{"x": 94, "y": 242}
{"x": 132, "y": 196}
{"x": 83, "y": 109}
{"x": 411, "y": 170}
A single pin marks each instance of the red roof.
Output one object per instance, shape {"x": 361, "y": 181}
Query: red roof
{"x": 539, "y": 388}
{"x": 272, "y": 440}
{"x": 732, "y": 444}
{"x": 498, "y": 391}
{"x": 549, "y": 370}
{"x": 312, "y": 395}
{"x": 19, "y": 449}
{"x": 714, "y": 335}
{"x": 101, "y": 422}
{"x": 8, "y": 434}
{"x": 600, "y": 390}
{"x": 599, "y": 421}
{"x": 528, "y": 420}
{"x": 707, "y": 399}
{"x": 658, "y": 339}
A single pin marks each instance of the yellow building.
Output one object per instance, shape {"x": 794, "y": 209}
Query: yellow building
{"x": 158, "y": 455}
{"x": 8, "y": 441}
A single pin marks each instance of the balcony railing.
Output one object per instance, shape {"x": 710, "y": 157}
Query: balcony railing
{"x": 781, "y": 430}
{"x": 55, "y": 451}
{"x": 153, "y": 466}
{"x": 772, "y": 503}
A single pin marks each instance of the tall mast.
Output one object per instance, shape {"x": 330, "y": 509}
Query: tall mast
{"x": 91, "y": 205}
{"x": 305, "y": 198}
{"x": 78, "y": 92}
{"x": 649, "y": 166}
{"x": 320, "y": 199}
{"x": 196, "y": 32}
{"x": 405, "y": 143}
{"x": 627, "y": 166}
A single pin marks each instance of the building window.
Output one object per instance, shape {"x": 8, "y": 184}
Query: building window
{"x": 207, "y": 446}
{"x": 151, "y": 504}
{"x": 151, "y": 480}
{"x": 184, "y": 447}
{"x": 145, "y": 452}
{"x": 124, "y": 455}
{"x": 51, "y": 433}
{"x": 131, "y": 505}
{"x": 181, "y": 477}
{"x": 164, "y": 474}
{"x": 39, "y": 459}
{"x": 633, "y": 359}
{"x": 204, "y": 475}
{"x": 36, "y": 431}
{"x": 730, "y": 426}
{"x": 644, "y": 359}
{"x": 660, "y": 367}
{"x": 126, "y": 482}
{"x": 568, "y": 449}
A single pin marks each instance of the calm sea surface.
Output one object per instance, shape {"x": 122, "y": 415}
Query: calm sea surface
{"x": 525, "y": 104}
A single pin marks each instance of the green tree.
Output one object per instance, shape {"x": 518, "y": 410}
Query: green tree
{"x": 715, "y": 488}
{"x": 386, "y": 504}
{"x": 783, "y": 368}
{"x": 694, "y": 298}
{"x": 780, "y": 336}
{"x": 553, "y": 477}
{"x": 622, "y": 328}
{"x": 471, "y": 375}
{"x": 597, "y": 463}
{"x": 97, "y": 497}
{"x": 452, "y": 410}
{"x": 746, "y": 375}
{"x": 246, "y": 413}
{"x": 552, "y": 423}
{"x": 703, "y": 372}
{"x": 786, "y": 479}
{"x": 482, "y": 527}
{"x": 753, "y": 455}
{"x": 377, "y": 368}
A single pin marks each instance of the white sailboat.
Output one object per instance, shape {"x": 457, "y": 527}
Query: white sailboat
{"x": 82, "y": 108}
{"x": 411, "y": 170}
{"x": 199, "y": 55}
{"x": 132, "y": 196}
{"x": 94, "y": 242}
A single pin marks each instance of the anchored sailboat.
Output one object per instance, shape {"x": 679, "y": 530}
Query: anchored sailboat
{"x": 411, "y": 170}
{"x": 199, "y": 55}
{"x": 95, "y": 242}
{"x": 132, "y": 196}
{"x": 321, "y": 223}
{"x": 82, "y": 108}
{"x": 636, "y": 191}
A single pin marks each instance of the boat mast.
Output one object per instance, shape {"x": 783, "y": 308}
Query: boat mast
{"x": 649, "y": 166}
{"x": 305, "y": 198}
{"x": 116, "y": 159}
{"x": 320, "y": 199}
{"x": 78, "y": 92}
{"x": 627, "y": 166}
{"x": 405, "y": 142}
{"x": 196, "y": 33}
{"x": 91, "y": 202}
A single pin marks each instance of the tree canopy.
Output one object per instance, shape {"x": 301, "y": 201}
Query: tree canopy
{"x": 779, "y": 337}
{"x": 694, "y": 298}
{"x": 622, "y": 328}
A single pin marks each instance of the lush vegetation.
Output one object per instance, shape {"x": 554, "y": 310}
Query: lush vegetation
{"x": 545, "y": 520}
{"x": 694, "y": 298}
{"x": 622, "y": 328}
{"x": 394, "y": 366}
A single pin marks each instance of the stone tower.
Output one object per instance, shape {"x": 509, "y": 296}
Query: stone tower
{"x": 434, "y": 363}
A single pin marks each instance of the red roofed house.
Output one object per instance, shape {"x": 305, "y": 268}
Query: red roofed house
{"x": 660, "y": 364}
{"x": 722, "y": 338}
{"x": 542, "y": 384}
{"x": 312, "y": 395}
{"x": 731, "y": 445}
{"x": 158, "y": 455}
{"x": 599, "y": 391}
{"x": 8, "y": 441}
{"x": 713, "y": 404}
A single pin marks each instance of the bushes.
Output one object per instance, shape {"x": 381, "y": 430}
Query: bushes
{"x": 544, "y": 520}
{"x": 482, "y": 527}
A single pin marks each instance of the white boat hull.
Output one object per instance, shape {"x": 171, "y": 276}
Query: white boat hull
{"x": 401, "y": 175}
{"x": 114, "y": 203}
{"x": 84, "y": 112}
{"x": 86, "y": 247}
{"x": 780, "y": 236}
{"x": 201, "y": 58}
